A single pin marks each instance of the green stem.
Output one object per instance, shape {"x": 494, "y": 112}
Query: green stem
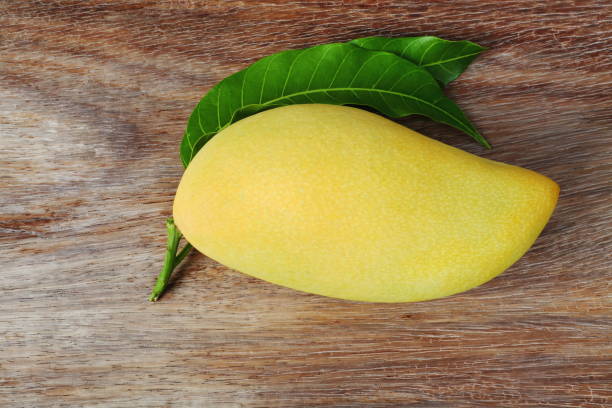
{"x": 184, "y": 252}
{"x": 171, "y": 260}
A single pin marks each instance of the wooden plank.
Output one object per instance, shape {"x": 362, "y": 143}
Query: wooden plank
{"x": 94, "y": 96}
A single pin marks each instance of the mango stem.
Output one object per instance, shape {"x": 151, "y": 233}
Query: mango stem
{"x": 171, "y": 260}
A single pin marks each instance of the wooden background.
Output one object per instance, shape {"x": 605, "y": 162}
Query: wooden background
{"x": 94, "y": 96}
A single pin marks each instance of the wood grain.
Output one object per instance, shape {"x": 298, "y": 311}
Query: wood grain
{"x": 94, "y": 96}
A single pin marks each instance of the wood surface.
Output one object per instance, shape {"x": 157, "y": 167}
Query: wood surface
{"x": 94, "y": 97}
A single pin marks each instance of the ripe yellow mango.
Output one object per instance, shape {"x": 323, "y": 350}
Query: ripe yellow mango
{"x": 342, "y": 202}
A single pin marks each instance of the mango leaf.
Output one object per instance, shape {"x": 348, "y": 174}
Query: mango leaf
{"x": 445, "y": 60}
{"x": 340, "y": 74}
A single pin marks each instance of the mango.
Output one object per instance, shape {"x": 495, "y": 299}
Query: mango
{"x": 341, "y": 202}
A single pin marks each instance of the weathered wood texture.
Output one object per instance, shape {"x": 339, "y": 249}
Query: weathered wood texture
{"x": 94, "y": 96}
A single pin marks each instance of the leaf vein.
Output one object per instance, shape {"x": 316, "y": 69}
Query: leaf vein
{"x": 426, "y": 51}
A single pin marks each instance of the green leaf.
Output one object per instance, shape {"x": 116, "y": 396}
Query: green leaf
{"x": 339, "y": 74}
{"x": 445, "y": 60}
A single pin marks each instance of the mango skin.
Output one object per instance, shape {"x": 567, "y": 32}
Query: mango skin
{"x": 341, "y": 202}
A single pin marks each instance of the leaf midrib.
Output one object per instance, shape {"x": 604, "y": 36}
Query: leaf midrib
{"x": 270, "y": 102}
{"x": 449, "y": 60}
